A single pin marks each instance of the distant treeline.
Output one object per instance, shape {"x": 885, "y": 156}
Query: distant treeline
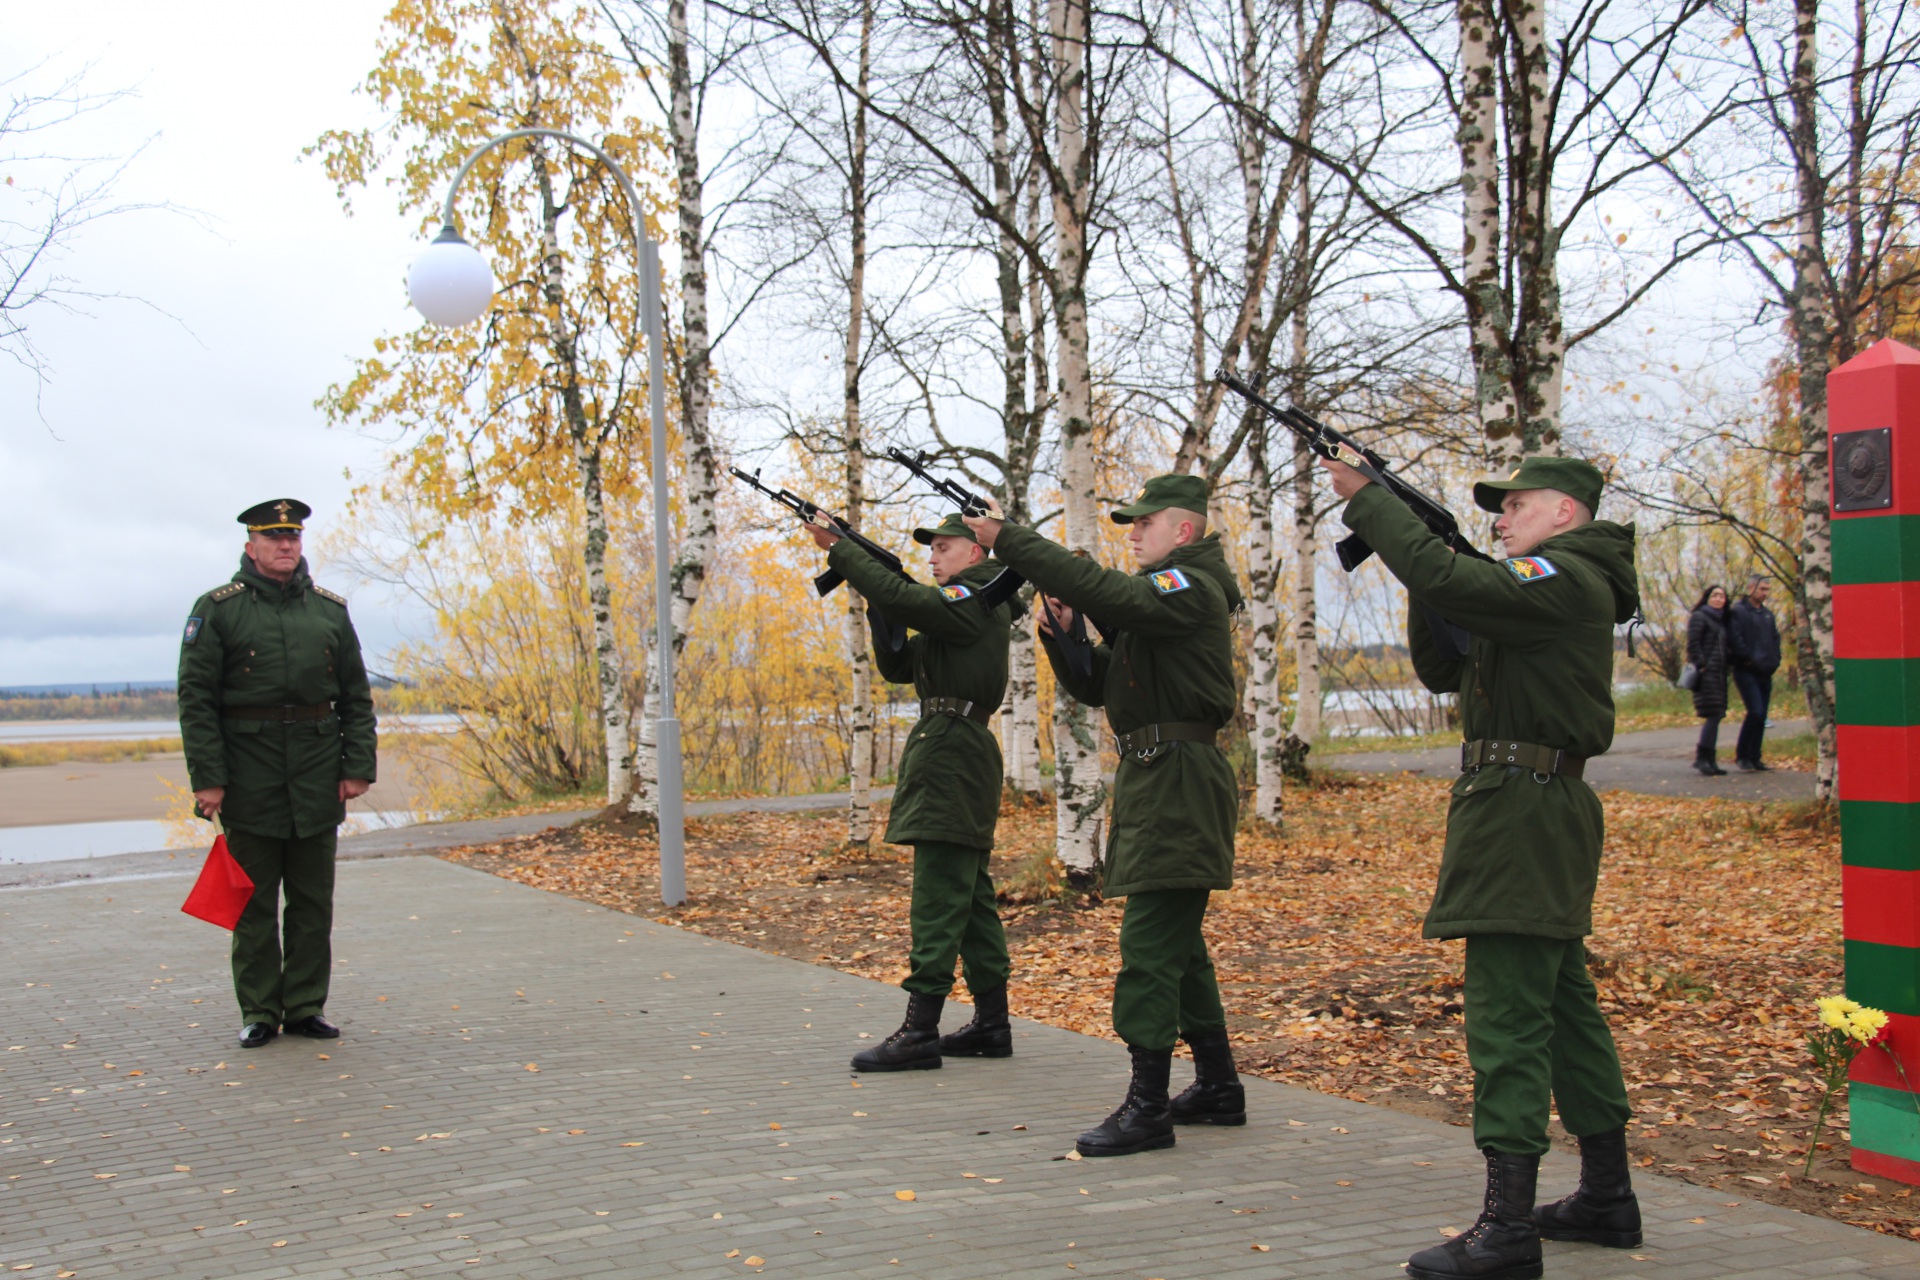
{"x": 102, "y": 704}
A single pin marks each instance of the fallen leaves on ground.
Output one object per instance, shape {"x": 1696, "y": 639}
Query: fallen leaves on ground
{"x": 1717, "y": 923}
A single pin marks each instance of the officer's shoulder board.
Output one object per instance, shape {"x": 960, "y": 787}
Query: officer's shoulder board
{"x": 1532, "y": 568}
{"x": 1168, "y": 581}
{"x": 325, "y": 594}
{"x": 956, "y": 591}
{"x": 227, "y": 592}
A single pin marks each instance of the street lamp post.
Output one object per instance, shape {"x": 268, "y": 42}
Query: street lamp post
{"x": 452, "y": 285}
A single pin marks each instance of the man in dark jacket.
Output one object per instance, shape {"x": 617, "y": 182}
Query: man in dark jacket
{"x": 1753, "y": 651}
{"x": 1523, "y": 839}
{"x": 947, "y": 800}
{"x": 1165, "y": 677}
{"x": 276, "y": 718}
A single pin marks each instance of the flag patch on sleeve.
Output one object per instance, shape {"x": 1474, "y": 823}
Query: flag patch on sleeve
{"x": 192, "y": 632}
{"x": 1531, "y": 568}
{"x": 954, "y": 591}
{"x": 1168, "y": 581}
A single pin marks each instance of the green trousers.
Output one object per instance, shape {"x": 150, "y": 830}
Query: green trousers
{"x": 1534, "y": 1031}
{"x": 274, "y": 983}
{"x": 954, "y": 914}
{"x": 1166, "y": 987}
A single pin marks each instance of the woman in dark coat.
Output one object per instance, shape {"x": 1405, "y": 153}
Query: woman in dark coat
{"x": 1707, "y": 651}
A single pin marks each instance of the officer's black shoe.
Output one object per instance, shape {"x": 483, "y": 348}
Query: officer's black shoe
{"x": 1503, "y": 1243}
{"x": 1604, "y": 1210}
{"x": 1143, "y": 1121}
{"x": 915, "y": 1046}
{"x": 989, "y": 1035}
{"x": 313, "y": 1027}
{"x": 1216, "y": 1095}
{"x": 255, "y": 1034}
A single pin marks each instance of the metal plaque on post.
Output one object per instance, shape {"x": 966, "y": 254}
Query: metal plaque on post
{"x": 1863, "y": 470}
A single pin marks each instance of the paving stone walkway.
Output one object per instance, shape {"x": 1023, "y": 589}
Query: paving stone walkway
{"x": 530, "y": 1086}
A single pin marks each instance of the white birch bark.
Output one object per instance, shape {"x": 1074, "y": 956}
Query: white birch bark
{"x": 699, "y": 532}
{"x": 1306, "y": 634}
{"x": 1542, "y": 338}
{"x": 1263, "y": 665}
{"x": 1487, "y": 309}
{"x": 1080, "y": 793}
{"x": 585, "y": 436}
{"x": 859, "y": 655}
{"x": 1811, "y": 316}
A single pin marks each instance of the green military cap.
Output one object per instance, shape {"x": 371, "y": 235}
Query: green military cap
{"x": 951, "y": 526}
{"x": 1579, "y": 480}
{"x": 1189, "y": 493}
{"x": 277, "y": 515}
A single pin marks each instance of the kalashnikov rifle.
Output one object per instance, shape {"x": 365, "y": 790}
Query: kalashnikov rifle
{"x": 1353, "y": 549}
{"x": 1071, "y": 639}
{"x": 894, "y": 637}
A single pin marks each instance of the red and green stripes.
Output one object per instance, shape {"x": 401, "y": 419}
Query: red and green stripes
{"x": 1876, "y": 631}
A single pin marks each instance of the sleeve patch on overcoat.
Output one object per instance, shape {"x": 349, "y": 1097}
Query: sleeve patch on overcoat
{"x": 955, "y": 591}
{"x": 1168, "y": 581}
{"x": 1531, "y": 568}
{"x": 193, "y": 630}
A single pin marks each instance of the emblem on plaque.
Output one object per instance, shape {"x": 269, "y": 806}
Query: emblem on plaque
{"x": 1863, "y": 469}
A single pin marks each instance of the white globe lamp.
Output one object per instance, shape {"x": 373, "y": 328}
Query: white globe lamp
{"x": 450, "y": 284}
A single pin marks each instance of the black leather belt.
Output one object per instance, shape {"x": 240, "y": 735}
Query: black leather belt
{"x": 1147, "y": 737}
{"x": 955, "y": 707}
{"x": 283, "y": 715}
{"x": 1527, "y": 755}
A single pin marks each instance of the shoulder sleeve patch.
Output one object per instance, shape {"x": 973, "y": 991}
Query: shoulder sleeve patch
{"x": 326, "y": 594}
{"x": 956, "y": 591}
{"x": 227, "y": 592}
{"x": 193, "y": 630}
{"x": 1168, "y": 581}
{"x": 1531, "y": 568}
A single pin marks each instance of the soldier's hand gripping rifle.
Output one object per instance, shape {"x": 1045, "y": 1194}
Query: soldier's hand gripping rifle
{"x": 1353, "y": 549}
{"x": 895, "y": 638}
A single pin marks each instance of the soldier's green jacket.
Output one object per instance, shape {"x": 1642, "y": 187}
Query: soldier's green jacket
{"x": 257, "y": 643}
{"x": 949, "y": 779}
{"x": 1171, "y": 659}
{"x": 1522, "y": 855}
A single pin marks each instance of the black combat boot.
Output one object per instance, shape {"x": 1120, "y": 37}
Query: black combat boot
{"x": 1216, "y": 1095}
{"x": 1142, "y": 1122}
{"x": 915, "y": 1046}
{"x": 988, "y": 1035}
{"x": 1502, "y": 1244}
{"x": 1604, "y": 1210}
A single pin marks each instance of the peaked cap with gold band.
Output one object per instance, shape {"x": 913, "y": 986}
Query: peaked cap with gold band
{"x": 277, "y": 515}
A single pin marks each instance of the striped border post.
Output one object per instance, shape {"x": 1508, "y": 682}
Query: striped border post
{"x": 1874, "y": 425}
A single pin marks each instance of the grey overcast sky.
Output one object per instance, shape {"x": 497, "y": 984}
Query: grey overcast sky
{"x": 118, "y": 508}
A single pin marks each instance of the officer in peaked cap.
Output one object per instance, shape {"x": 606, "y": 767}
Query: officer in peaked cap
{"x": 276, "y": 716}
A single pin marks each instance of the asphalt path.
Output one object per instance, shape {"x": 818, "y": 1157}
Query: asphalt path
{"x": 1655, "y": 762}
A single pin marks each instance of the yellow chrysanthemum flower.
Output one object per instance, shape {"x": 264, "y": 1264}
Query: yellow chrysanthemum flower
{"x": 1834, "y": 1011}
{"x": 1864, "y": 1024}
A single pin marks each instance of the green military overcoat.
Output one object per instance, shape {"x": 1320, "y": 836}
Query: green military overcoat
{"x": 257, "y": 643}
{"x": 1174, "y": 814}
{"x": 948, "y": 788}
{"x": 1523, "y": 849}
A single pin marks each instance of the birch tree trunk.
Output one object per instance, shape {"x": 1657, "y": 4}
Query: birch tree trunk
{"x": 1263, "y": 666}
{"x": 586, "y": 437}
{"x": 1020, "y": 722}
{"x": 1487, "y": 312}
{"x": 699, "y": 534}
{"x": 859, "y": 656}
{"x": 1810, "y": 314}
{"x": 1080, "y": 793}
{"x": 1306, "y": 633}
{"x": 1541, "y": 338}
